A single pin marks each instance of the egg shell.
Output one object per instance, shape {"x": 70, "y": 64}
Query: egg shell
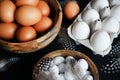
{"x": 100, "y": 40}
{"x": 71, "y": 9}
{"x": 88, "y": 77}
{"x": 58, "y": 60}
{"x": 90, "y": 15}
{"x": 7, "y": 30}
{"x": 26, "y": 2}
{"x": 69, "y": 58}
{"x": 99, "y": 4}
{"x": 28, "y": 15}
{"x": 82, "y": 63}
{"x": 44, "y": 8}
{"x": 25, "y": 33}
{"x": 81, "y": 73}
{"x": 43, "y": 25}
{"x": 115, "y": 12}
{"x": 80, "y": 30}
{"x": 111, "y": 25}
{"x": 7, "y": 10}
{"x": 114, "y": 2}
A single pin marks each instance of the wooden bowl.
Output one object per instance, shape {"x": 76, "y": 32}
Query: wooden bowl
{"x": 42, "y": 41}
{"x": 64, "y": 53}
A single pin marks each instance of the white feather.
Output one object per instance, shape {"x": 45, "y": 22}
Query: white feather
{"x": 58, "y": 60}
{"x": 62, "y": 67}
{"x": 69, "y": 73}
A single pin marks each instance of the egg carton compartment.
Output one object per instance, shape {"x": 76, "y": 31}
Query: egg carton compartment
{"x": 86, "y": 42}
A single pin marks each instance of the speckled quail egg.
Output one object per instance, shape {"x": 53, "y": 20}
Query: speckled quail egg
{"x": 80, "y": 30}
{"x": 100, "y": 40}
{"x": 110, "y": 24}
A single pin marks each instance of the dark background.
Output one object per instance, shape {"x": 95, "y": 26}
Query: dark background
{"x": 22, "y": 69}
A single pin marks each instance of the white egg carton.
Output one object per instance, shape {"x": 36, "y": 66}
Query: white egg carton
{"x": 86, "y": 42}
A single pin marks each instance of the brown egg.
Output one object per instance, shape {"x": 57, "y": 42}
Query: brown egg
{"x": 44, "y": 8}
{"x": 43, "y": 25}
{"x": 71, "y": 9}
{"x": 26, "y": 33}
{"x": 7, "y": 10}
{"x": 28, "y": 15}
{"x": 7, "y": 30}
{"x": 26, "y": 2}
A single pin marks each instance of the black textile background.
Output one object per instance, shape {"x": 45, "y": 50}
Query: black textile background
{"x": 22, "y": 70}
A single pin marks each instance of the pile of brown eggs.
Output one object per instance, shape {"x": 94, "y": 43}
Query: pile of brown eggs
{"x": 23, "y": 20}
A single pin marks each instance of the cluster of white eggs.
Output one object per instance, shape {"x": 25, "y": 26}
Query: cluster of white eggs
{"x": 67, "y": 68}
{"x": 99, "y": 23}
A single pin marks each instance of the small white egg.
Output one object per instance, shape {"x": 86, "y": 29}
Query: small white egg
{"x": 110, "y": 24}
{"x": 80, "y": 73}
{"x": 100, "y": 40}
{"x": 81, "y": 68}
{"x": 69, "y": 58}
{"x": 114, "y": 2}
{"x": 88, "y": 77}
{"x": 90, "y": 15}
{"x": 99, "y": 4}
{"x": 82, "y": 63}
{"x": 80, "y": 30}
{"x": 58, "y": 60}
{"x": 115, "y": 12}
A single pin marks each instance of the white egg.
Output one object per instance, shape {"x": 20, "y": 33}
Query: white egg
{"x": 99, "y": 4}
{"x": 88, "y": 77}
{"x": 80, "y": 30}
{"x": 110, "y": 24}
{"x": 58, "y": 60}
{"x": 81, "y": 68}
{"x": 115, "y": 12}
{"x": 81, "y": 73}
{"x": 82, "y": 63}
{"x": 114, "y": 2}
{"x": 100, "y": 40}
{"x": 90, "y": 15}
